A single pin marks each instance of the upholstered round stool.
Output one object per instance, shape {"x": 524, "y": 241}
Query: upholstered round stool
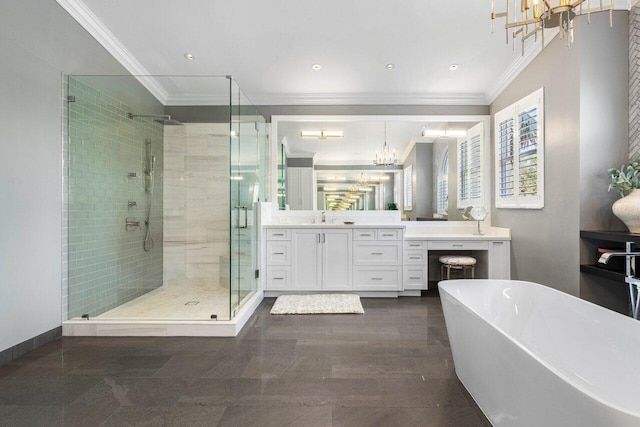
{"x": 457, "y": 262}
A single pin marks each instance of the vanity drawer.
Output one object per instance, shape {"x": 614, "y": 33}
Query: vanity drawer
{"x": 414, "y": 277}
{"x": 377, "y": 253}
{"x": 389, "y": 234}
{"x": 278, "y": 253}
{"x": 278, "y": 278}
{"x": 278, "y": 234}
{"x": 415, "y": 258}
{"x": 377, "y": 278}
{"x": 365, "y": 234}
{"x": 457, "y": 245}
{"x": 415, "y": 244}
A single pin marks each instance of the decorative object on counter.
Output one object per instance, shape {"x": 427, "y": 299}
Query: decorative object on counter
{"x": 349, "y": 223}
{"x": 466, "y": 214}
{"x": 318, "y": 304}
{"x": 392, "y": 207}
{"x": 627, "y": 181}
{"x": 478, "y": 213}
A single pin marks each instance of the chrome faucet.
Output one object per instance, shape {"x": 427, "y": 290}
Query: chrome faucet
{"x": 324, "y": 217}
{"x": 630, "y": 278}
{"x": 604, "y": 258}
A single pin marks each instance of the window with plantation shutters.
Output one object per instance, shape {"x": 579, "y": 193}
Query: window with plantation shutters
{"x": 519, "y": 149}
{"x": 408, "y": 188}
{"x": 470, "y": 170}
{"x": 442, "y": 195}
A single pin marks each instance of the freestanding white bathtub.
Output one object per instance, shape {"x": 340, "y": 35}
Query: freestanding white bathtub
{"x": 533, "y": 356}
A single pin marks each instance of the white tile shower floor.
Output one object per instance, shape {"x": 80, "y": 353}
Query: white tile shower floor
{"x": 175, "y": 303}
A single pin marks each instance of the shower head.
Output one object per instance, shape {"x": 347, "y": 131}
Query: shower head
{"x": 163, "y": 119}
{"x": 169, "y": 122}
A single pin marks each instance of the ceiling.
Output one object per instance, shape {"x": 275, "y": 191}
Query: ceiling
{"x": 269, "y": 48}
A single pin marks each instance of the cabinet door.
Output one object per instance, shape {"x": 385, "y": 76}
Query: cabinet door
{"x": 415, "y": 277}
{"x": 306, "y": 260}
{"x": 278, "y": 278}
{"x": 377, "y": 278}
{"x": 337, "y": 260}
{"x": 500, "y": 260}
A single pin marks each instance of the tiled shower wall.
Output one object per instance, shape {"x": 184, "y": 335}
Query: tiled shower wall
{"x": 107, "y": 265}
{"x": 634, "y": 83}
{"x": 196, "y": 205}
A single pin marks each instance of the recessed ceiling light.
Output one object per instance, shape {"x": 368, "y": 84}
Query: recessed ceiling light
{"x": 453, "y": 67}
{"x": 188, "y": 56}
{"x": 390, "y": 67}
{"x": 316, "y": 66}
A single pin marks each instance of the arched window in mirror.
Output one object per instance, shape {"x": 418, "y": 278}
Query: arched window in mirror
{"x": 443, "y": 184}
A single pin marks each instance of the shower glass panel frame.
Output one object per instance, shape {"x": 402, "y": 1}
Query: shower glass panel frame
{"x": 248, "y": 135}
{"x": 122, "y": 151}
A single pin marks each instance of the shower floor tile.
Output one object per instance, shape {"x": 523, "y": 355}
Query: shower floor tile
{"x": 176, "y": 302}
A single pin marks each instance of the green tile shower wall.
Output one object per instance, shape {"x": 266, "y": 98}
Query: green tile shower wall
{"x": 107, "y": 265}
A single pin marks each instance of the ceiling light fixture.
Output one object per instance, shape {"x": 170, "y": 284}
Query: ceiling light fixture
{"x": 537, "y": 15}
{"x": 386, "y": 158}
{"x": 316, "y": 66}
{"x": 390, "y": 67}
{"x": 189, "y": 56}
{"x": 453, "y": 67}
{"x": 322, "y": 134}
{"x": 443, "y": 133}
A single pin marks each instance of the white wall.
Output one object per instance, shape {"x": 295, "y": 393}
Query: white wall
{"x": 38, "y": 42}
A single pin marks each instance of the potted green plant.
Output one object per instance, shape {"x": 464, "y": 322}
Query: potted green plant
{"x": 392, "y": 207}
{"x": 627, "y": 181}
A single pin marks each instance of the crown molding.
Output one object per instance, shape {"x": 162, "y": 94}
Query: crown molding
{"x": 369, "y": 99}
{"x": 96, "y": 28}
{"x": 531, "y": 52}
{"x": 518, "y": 66}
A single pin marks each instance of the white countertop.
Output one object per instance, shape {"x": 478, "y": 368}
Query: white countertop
{"x": 411, "y": 233}
{"x": 457, "y": 237}
{"x": 336, "y": 225}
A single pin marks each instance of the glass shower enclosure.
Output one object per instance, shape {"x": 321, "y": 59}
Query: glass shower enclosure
{"x": 162, "y": 174}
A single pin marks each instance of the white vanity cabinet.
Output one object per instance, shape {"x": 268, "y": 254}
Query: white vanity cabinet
{"x": 381, "y": 260}
{"x": 319, "y": 259}
{"x": 415, "y": 271}
{"x": 377, "y": 259}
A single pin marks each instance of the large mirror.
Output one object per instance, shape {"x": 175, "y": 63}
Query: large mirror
{"x": 428, "y": 167}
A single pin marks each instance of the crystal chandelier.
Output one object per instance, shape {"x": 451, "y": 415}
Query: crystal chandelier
{"x": 386, "y": 158}
{"x": 534, "y": 16}
{"x": 362, "y": 179}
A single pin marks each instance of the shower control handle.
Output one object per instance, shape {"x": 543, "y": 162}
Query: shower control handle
{"x": 131, "y": 223}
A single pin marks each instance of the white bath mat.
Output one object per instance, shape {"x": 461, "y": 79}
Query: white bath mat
{"x": 318, "y": 304}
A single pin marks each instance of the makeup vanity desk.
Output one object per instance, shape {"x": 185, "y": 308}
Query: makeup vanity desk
{"x": 384, "y": 260}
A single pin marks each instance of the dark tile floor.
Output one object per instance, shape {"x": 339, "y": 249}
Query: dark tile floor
{"x": 389, "y": 367}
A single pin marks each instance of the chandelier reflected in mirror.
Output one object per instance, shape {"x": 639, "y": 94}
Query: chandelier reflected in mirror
{"x": 530, "y": 17}
{"x": 386, "y": 158}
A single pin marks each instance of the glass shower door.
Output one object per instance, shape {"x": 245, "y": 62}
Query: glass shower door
{"x": 245, "y": 190}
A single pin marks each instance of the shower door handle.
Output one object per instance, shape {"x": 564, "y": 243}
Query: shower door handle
{"x": 246, "y": 216}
